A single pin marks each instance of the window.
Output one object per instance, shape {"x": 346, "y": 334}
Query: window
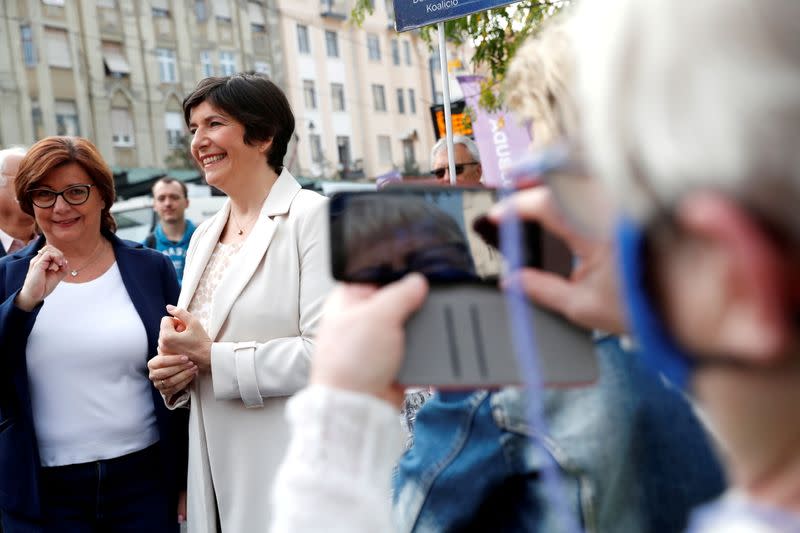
{"x": 28, "y": 50}
{"x": 159, "y": 8}
{"x": 337, "y": 96}
{"x": 257, "y": 22}
{"x": 303, "y": 45}
{"x": 395, "y": 52}
{"x": 373, "y": 47}
{"x": 378, "y": 98}
{"x": 206, "y": 66}
{"x": 114, "y": 60}
{"x": 121, "y": 127}
{"x": 67, "y": 118}
{"x": 262, "y": 67}
{"x": 37, "y": 120}
{"x": 57, "y": 43}
{"x": 173, "y": 123}
{"x": 384, "y": 149}
{"x": 401, "y": 102}
{"x": 201, "y": 10}
{"x": 222, "y": 10}
{"x": 309, "y": 94}
{"x": 343, "y": 150}
{"x": 412, "y": 103}
{"x": 227, "y": 63}
{"x": 53, "y": 2}
{"x": 409, "y": 157}
{"x": 438, "y": 98}
{"x": 407, "y": 52}
{"x": 166, "y": 65}
{"x": 332, "y": 43}
{"x": 315, "y": 143}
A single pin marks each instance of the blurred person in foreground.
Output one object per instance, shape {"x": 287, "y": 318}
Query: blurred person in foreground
{"x": 173, "y": 231}
{"x": 17, "y": 228}
{"x": 706, "y": 188}
{"x": 620, "y": 443}
{"x": 86, "y": 443}
{"x": 629, "y": 449}
{"x": 692, "y": 120}
{"x": 256, "y": 277}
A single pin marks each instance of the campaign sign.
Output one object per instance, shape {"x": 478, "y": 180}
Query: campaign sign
{"x": 410, "y": 14}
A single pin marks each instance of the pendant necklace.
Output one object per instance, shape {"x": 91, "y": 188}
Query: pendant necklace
{"x": 75, "y": 271}
{"x": 236, "y": 221}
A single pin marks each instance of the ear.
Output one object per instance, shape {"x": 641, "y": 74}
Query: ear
{"x": 754, "y": 323}
{"x": 263, "y": 147}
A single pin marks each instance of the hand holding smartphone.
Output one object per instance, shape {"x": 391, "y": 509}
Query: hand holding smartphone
{"x": 460, "y": 338}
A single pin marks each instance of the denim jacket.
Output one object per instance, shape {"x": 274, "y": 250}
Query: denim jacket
{"x": 631, "y": 454}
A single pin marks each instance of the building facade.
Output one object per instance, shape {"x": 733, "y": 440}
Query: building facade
{"x": 116, "y": 71}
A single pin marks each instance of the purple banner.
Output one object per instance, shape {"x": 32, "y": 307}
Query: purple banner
{"x": 500, "y": 139}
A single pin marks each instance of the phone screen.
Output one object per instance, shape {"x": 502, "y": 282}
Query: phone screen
{"x": 441, "y": 232}
{"x": 379, "y": 237}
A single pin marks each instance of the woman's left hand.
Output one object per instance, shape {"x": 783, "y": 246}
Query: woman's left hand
{"x": 182, "y": 334}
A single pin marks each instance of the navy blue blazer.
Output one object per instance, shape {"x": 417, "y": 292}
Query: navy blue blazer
{"x": 151, "y": 284}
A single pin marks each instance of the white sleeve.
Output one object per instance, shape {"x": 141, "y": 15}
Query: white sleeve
{"x": 336, "y": 476}
{"x": 251, "y": 371}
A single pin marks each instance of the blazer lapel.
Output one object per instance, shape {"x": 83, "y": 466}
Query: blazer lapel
{"x": 193, "y": 270}
{"x": 255, "y": 247}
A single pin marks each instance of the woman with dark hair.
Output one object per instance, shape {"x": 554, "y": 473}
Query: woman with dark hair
{"x": 254, "y": 283}
{"x": 86, "y": 443}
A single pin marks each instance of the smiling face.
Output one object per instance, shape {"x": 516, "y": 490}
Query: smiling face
{"x": 64, "y": 223}
{"x": 218, "y": 147}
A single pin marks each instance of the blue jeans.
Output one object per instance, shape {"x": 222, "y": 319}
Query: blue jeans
{"x": 126, "y": 494}
{"x": 630, "y": 452}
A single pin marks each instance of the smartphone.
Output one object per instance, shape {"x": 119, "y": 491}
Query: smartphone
{"x": 461, "y": 337}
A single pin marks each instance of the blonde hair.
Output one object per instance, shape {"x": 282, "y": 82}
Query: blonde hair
{"x": 539, "y": 81}
{"x": 680, "y": 96}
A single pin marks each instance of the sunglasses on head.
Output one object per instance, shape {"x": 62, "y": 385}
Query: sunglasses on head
{"x": 439, "y": 172}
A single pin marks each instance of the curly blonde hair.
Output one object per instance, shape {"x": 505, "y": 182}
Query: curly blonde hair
{"x": 539, "y": 82}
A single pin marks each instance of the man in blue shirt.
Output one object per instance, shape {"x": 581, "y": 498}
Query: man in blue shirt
{"x": 173, "y": 232}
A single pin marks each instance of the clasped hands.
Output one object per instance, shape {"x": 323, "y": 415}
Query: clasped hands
{"x": 184, "y": 350}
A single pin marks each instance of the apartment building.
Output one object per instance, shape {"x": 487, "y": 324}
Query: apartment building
{"x": 116, "y": 71}
{"x": 361, "y": 94}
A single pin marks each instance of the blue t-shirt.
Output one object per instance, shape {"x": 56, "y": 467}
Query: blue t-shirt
{"x": 176, "y": 251}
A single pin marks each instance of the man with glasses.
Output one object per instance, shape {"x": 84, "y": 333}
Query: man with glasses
{"x": 16, "y": 228}
{"x": 467, "y": 159}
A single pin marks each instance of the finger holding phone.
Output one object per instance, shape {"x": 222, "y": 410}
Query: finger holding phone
{"x": 589, "y": 296}
{"x": 361, "y": 340}
{"x": 46, "y": 270}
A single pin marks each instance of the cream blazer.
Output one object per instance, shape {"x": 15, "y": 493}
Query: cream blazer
{"x": 264, "y": 314}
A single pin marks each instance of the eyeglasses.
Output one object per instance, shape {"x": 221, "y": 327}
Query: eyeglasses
{"x": 439, "y": 172}
{"x": 73, "y": 195}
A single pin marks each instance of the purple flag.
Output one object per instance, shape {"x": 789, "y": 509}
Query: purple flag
{"x": 500, "y": 139}
{"x": 393, "y": 176}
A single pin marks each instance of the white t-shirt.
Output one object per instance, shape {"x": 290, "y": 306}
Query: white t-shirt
{"x": 87, "y": 370}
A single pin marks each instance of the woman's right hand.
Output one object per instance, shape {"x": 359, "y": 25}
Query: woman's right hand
{"x": 171, "y": 373}
{"x": 45, "y": 272}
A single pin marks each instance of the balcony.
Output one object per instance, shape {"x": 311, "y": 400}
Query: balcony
{"x": 333, "y": 9}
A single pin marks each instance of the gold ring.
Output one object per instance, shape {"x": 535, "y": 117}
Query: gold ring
{"x": 162, "y": 383}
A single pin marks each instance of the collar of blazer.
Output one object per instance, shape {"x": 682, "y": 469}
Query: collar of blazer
{"x": 278, "y": 202}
